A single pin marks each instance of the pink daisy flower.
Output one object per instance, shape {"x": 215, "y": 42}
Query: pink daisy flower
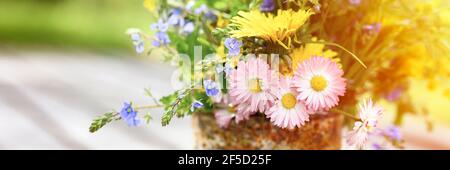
{"x": 288, "y": 112}
{"x": 251, "y": 86}
{"x": 319, "y": 82}
{"x": 369, "y": 115}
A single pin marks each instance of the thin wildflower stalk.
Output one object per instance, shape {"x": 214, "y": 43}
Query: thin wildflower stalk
{"x": 346, "y": 114}
{"x": 343, "y": 48}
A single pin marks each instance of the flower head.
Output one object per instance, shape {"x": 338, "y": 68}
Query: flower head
{"x": 377, "y": 146}
{"x": 176, "y": 17}
{"x": 369, "y": 115}
{"x": 129, "y": 115}
{"x": 211, "y": 87}
{"x": 251, "y": 87}
{"x": 233, "y": 45}
{"x": 267, "y": 6}
{"x": 160, "y": 26}
{"x": 202, "y": 9}
{"x": 393, "y": 133}
{"x": 255, "y": 24}
{"x": 137, "y": 42}
{"x": 186, "y": 27}
{"x": 226, "y": 69}
{"x": 211, "y": 16}
{"x": 288, "y": 112}
{"x": 195, "y": 105}
{"x": 161, "y": 38}
{"x": 319, "y": 82}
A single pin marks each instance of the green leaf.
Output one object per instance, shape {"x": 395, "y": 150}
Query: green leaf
{"x": 254, "y": 4}
{"x": 102, "y": 120}
{"x": 169, "y": 99}
{"x": 166, "y": 119}
{"x": 148, "y": 118}
{"x": 206, "y": 100}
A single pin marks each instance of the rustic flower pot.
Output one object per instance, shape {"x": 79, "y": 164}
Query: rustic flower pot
{"x": 322, "y": 132}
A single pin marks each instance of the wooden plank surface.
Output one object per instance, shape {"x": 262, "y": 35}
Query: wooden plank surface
{"x": 48, "y": 99}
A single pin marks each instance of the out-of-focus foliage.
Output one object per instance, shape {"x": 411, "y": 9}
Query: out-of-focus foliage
{"x": 89, "y": 24}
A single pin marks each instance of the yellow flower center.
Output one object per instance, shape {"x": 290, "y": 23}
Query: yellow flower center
{"x": 318, "y": 83}
{"x": 288, "y": 101}
{"x": 254, "y": 85}
{"x": 231, "y": 109}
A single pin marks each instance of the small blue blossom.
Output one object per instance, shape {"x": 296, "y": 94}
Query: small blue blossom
{"x": 211, "y": 87}
{"x": 139, "y": 47}
{"x": 189, "y": 5}
{"x": 160, "y": 26}
{"x": 135, "y": 36}
{"x": 393, "y": 133}
{"x": 228, "y": 68}
{"x": 176, "y": 17}
{"x": 188, "y": 28}
{"x": 128, "y": 114}
{"x": 211, "y": 16}
{"x": 195, "y": 105}
{"x": 137, "y": 42}
{"x": 177, "y": 20}
{"x": 161, "y": 38}
{"x": 233, "y": 45}
{"x": 202, "y": 9}
{"x": 377, "y": 146}
{"x": 208, "y": 14}
{"x": 267, "y": 6}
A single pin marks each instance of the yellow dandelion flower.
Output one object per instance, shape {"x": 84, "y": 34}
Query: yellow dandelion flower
{"x": 221, "y": 22}
{"x": 305, "y": 52}
{"x": 150, "y": 5}
{"x": 267, "y": 26}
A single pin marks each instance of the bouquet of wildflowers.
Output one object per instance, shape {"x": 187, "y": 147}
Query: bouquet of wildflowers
{"x": 289, "y": 60}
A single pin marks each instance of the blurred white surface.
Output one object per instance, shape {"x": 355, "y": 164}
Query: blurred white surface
{"x": 47, "y": 101}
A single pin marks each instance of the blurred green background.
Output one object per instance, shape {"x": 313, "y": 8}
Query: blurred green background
{"x": 97, "y": 25}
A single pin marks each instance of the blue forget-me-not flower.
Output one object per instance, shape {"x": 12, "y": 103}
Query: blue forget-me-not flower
{"x": 195, "y": 105}
{"x": 137, "y": 42}
{"x": 233, "y": 45}
{"x": 211, "y": 87}
{"x": 161, "y": 37}
{"x": 128, "y": 114}
{"x": 267, "y": 6}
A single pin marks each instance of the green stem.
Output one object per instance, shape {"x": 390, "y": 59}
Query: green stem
{"x": 346, "y": 114}
{"x": 341, "y": 47}
{"x": 280, "y": 6}
{"x": 148, "y": 107}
